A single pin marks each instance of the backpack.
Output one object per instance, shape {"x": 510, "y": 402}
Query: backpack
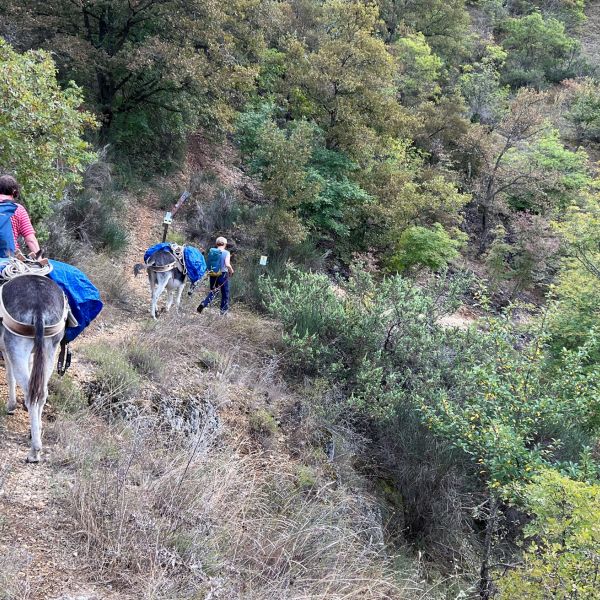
{"x": 214, "y": 262}
{"x": 7, "y": 238}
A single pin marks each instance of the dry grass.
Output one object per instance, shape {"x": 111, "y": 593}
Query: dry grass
{"x": 13, "y": 585}
{"x": 173, "y": 522}
{"x": 107, "y": 275}
{"x": 168, "y": 516}
{"x": 217, "y": 513}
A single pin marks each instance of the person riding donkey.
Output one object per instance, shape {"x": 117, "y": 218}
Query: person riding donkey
{"x": 219, "y": 271}
{"x": 14, "y": 220}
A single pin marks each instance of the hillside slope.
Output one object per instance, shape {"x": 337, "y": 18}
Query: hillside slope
{"x": 179, "y": 464}
{"x": 590, "y": 35}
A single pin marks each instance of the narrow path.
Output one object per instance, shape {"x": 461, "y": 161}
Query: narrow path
{"x": 38, "y": 561}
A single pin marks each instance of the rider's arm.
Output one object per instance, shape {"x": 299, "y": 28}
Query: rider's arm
{"x": 25, "y": 229}
{"x": 32, "y": 243}
{"x": 228, "y": 263}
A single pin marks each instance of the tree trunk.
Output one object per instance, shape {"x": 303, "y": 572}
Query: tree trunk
{"x": 106, "y": 96}
{"x": 486, "y": 586}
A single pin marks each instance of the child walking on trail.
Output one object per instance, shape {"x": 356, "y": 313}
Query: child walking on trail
{"x": 219, "y": 271}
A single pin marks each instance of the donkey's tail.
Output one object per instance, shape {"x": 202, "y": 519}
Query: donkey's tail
{"x": 138, "y": 268}
{"x": 36, "y": 381}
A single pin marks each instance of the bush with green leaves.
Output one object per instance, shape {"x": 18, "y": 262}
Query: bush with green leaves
{"x": 583, "y": 109}
{"x": 490, "y": 396}
{"x": 562, "y": 548}
{"x": 481, "y": 86}
{"x": 539, "y": 51}
{"x": 575, "y": 312}
{"x": 325, "y": 324}
{"x": 569, "y": 12}
{"x": 312, "y": 188}
{"x": 65, "y": 394}
{"x": 116, "y": 380}
{"x": 489, "y": 393}
{"x": 419, "y": 69}
{"x": 420, "y": 247}
{"x": 529, "y": 260}
{"x": 42, "y": 127}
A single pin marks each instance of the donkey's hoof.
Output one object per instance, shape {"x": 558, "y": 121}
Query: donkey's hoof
{"x": 33, "y": 458}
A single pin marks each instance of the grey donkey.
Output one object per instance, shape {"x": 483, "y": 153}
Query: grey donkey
{"x": 34, "y": 311}
{"x": 164, "y": 272}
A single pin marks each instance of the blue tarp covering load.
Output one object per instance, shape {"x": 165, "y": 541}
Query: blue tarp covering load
{"x": 194, "y": 259}
{"x": 84, "y": 298}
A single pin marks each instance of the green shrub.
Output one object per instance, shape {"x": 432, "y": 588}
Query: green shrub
{"x": 263, "y": 424}
{"x": 562, "y": 553}
{"x": 144, "y": 359}
{"x": 569, "y": 12}
{"x": 583, "y": 111}
{"x": 306, "y": 478}
{"x": 422, "y": 247}
{"x": 149, "y": 141}
{"x": 91, "y": 217}
{"x": 65, "y": 394}
{"x": 489, "y": 403}
{"x": 539, "y": 51}
{"x": 245, "y": 284}
{"x": 42, "y": 126}
{"x": 116, "y": 381}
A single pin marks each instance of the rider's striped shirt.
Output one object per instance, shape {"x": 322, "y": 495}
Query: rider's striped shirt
{"x": 21, "y": 223}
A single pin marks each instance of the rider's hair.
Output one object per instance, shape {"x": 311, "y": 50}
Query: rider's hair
{"x": 221, "y": 241}
{"x": 9, "y": 186}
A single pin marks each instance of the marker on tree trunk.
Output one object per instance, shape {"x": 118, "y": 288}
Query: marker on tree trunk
{"x": 168, "y": 219}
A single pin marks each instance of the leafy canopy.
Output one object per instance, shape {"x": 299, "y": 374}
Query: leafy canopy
{"x": 539, "y": 51}
{"x": 562, "y": 556}
{"x": 42, "y": 126}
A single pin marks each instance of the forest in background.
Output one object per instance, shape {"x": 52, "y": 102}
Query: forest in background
{"x": 425, "y": 154}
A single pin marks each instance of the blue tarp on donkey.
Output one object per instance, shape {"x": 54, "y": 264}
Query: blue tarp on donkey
{"x": 83, "y": 296}
{"x": 194, "y": 259}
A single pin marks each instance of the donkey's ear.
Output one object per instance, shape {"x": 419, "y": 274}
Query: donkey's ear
{"x": 40, "y": 254}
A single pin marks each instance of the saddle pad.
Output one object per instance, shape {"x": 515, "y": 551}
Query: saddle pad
{"x": 83, "y": 296}
{"x": 194, "y": 259}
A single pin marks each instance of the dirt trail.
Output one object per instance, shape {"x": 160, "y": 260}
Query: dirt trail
{"x": 39, "y": 561}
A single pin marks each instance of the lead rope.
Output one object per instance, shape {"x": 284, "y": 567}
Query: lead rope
{"x": 16, "y": 267}
{"x": 64, "y": 358}
{"x": 177, "y": 251}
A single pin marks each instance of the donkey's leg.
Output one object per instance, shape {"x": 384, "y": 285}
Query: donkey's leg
{"x": 11, "y": 402}
{"x": 170, "y": 292}
{"x": 37, "y": 410}
{"x": 20, "y": 352}
{"x": 158, "y": 290}
{"x": 179, "y": 292}
{"x": 152, "y": 280}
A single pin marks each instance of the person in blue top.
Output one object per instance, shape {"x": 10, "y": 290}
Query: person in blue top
{"x": 219, "y": 267}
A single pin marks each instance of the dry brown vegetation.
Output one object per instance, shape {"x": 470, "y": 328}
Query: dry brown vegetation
{"x": 225, "y": 511}
{"x": 184, "y": 466}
